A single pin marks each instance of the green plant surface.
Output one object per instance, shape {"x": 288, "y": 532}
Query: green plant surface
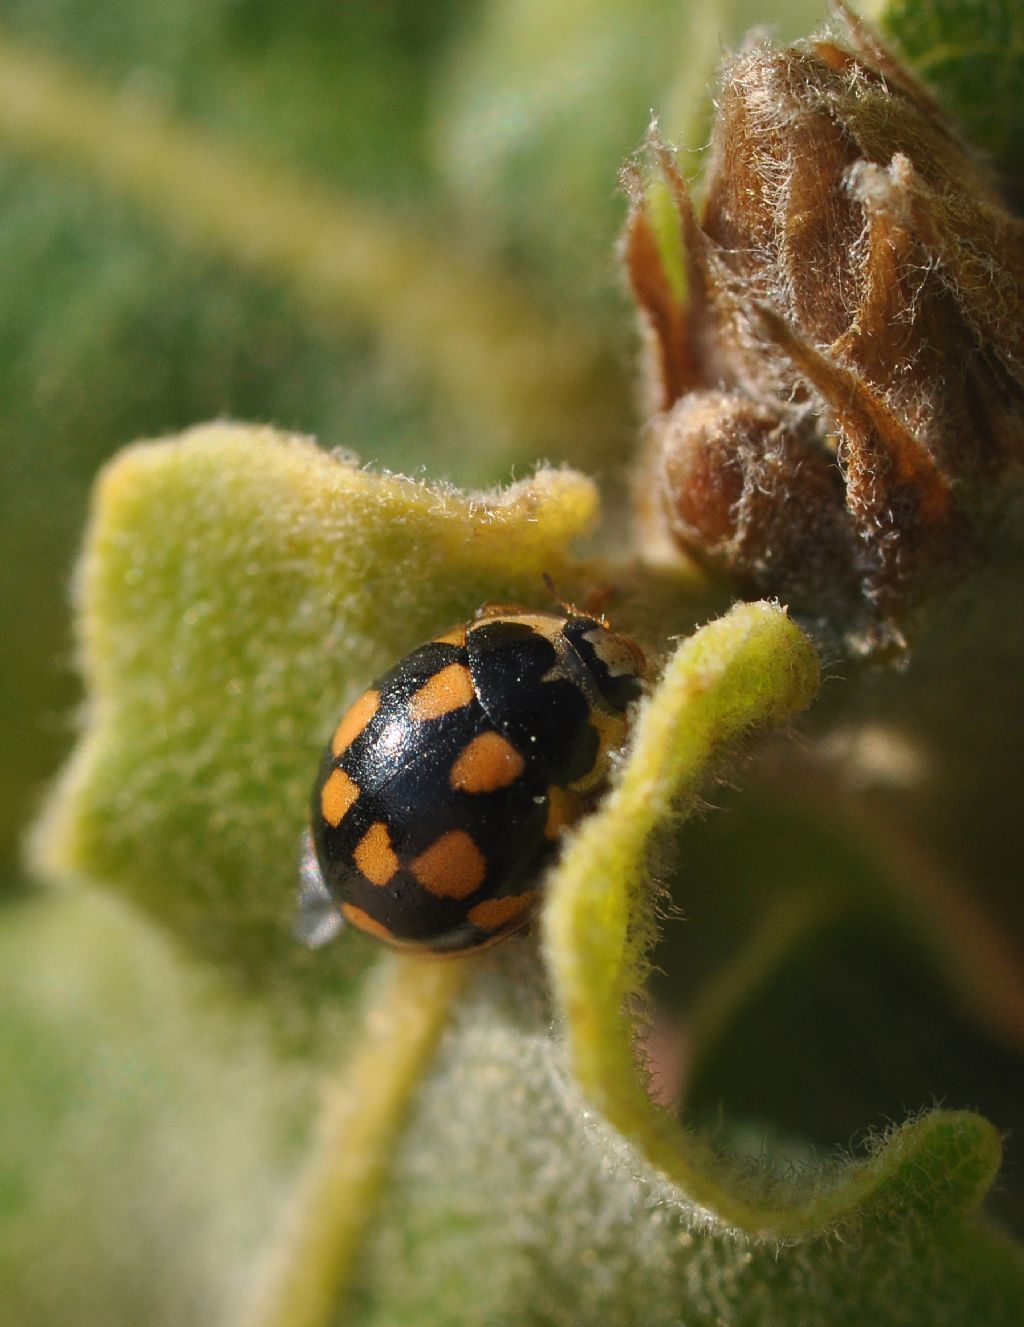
{"x": 220, "y": 654}
{"x": 135, "y": 1097}
{"x": 201, "y": 546}
{"x": 972, "y": 56}
{"x": 575, "y": 1226}
{"x": 756, "y": 1062}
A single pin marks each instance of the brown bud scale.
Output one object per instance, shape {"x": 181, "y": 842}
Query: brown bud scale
{"x": 840, "y": 394}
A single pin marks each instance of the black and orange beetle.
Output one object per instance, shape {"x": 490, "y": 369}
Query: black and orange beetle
{"x": 446, "y": 786}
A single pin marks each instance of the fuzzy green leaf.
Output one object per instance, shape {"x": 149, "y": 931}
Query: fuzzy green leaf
{"x": 238, "y": 589}
{"x": 512, "y": 1201}
{"x": 147, "y": 1130}
{"x": 751, "y": 668}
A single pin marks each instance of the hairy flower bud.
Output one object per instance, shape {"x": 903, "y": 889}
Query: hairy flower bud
{"x": 854, "y": 295}
{"x": 728, "y": 471}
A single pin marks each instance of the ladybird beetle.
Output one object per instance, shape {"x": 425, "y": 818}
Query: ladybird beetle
{"x": 446, "y": 786}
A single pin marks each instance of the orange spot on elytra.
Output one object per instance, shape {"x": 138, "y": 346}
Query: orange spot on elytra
{"x": 495, "y": 912}
{"x": 488, "y": 762}
{"x": 452, "y": 867}
{"x": 354, "y": 721}
{"x": 375, "y": 856}
{"x": 449, "y": 689}
{"x": 336, "y": 796}
{"x": 564, "y": 808}
{"x": 365, "y": 922}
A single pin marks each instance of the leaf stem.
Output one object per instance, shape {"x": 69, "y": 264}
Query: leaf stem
{"x": 307, "y": 1272}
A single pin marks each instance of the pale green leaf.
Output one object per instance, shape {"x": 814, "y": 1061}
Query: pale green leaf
{"x": 751, "y": 668}
{"x": 237, "y": 590}
{"x": 512, "y": 1202}
{"x": 148, "y": 1130}
{"x": 238, "y": 587}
